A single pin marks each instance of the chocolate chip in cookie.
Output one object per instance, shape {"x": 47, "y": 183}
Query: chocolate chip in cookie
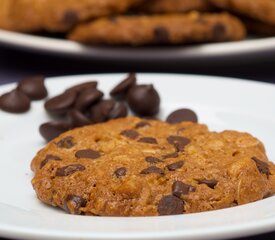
{"x": 180, "y": 188}
{"x": 175, "y": 166}
{"x": 178, "y": 142}
{"x": 73, "y": 203}
{"x": 68, "y": 170}
{"x": 87, "y": 153}
{"x": 262, "y": 166}
{"x": 170, "y": 205}
{"x": 182, "y": 115}
{"x": 131, "y": 134}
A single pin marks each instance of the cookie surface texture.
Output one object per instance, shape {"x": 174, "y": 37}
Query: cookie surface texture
{"x": 263, "y": 10}
{"x": 136, "y": 167}
{"x": 160, "y": 29}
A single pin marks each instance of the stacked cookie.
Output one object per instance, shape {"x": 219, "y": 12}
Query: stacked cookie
{"x": 140, "y": 22}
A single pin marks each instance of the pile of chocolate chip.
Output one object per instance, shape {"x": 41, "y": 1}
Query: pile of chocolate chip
{"x": 84, "y": 104}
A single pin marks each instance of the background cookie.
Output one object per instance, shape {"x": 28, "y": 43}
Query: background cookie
{"x": 263, "y": 10}
{"x": 61, "y": 16}
{"x": 174, "y": 6}
{"x": 55, "y": 15}
{"x": 21, "y": 15}
{"x": 136, "y": 167}
{"x": 160, "y": 29}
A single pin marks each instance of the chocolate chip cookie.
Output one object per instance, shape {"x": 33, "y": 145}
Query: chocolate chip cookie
{"x": 61, "y": 16}
{"x": 263, "y": 10}
{"x": 54, "y": 15}
{"x": 175, "y": 6}
{"x": 160, "y": 29}
{"x": 21, "y": 15}
{"x": 137, "y": 167}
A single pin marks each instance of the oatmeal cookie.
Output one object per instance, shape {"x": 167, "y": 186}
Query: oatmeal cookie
{"x": 20, "y": 15}
{"x": 263, "y": 10}
{"x": 65, "y": 14}
{"x": 160, "y": 29}
{"x": 175, "y": 6}
{"x": 136, "y": 167}
{"x": 56, "y": 15}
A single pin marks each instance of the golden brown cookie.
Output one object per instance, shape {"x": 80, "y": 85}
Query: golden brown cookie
{"x": 175, "y": 6}
{"x": 56, "y": 15}
{"x": 263, "y": 10}
{"x": 160, "y": 29}
{"x": 137, "y": 167}
{"x": 20, "y": 15}
{"x": 60, "y": 16}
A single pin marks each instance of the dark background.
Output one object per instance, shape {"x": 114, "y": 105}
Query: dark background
{"x": 18, "y": 64}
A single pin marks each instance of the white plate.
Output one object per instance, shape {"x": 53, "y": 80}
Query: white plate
{"x": 196, "y": 53}
{"x": 221, "y": 103}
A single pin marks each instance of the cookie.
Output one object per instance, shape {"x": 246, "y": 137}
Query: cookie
{"x": 65, "y": 14}
{"x": 20, "y": 15}
{"x": 137, "y": 167}
{"x": 160, "y": 29}
{"x": 263, "y": 10}
{"x": 54, "y": 15}
{"x": 174, "y": 6}
{"x": 259, "y": 28}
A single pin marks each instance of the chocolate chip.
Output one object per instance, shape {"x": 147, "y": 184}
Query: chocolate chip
{"x": 132, "y": 134}
{"x": 178, "y": 142}
{"x": 161, "y": 35}
{"x": 77, "y": 118}
{"x": 70, "y": 18}
{"x": 142, "y": 125}
{"x": 33, "y": 87}
{"x": 66, "y": 142}
{"x": 152, "y": 169}
{"x": 15, "y": 102}
{"x": 119, "y": 110}
{"x": 170, "y": 205}
{"x": 219, "y": 31}
{"x": 87, "y": 153}
{"x": 49, "y": 158}
{"x": 86, "y": 98}
{"x": 210, "y": 183}
{"x": 262, "y": 166}
{"x": 149, "y": 140}
{"x": 170, "y": 155}
{"x": 51, "y": 130}
{"x": 60, "y": 104}
{"x": 82, "y": 86}
{"x": 120, "y": 172}
{"x": 120, "y": 91}
{"x": 100, "y": 112}
{"x": 144, "y": 100}
{"x": 73, "y": 203}
{"x": 175, "y": 166}
{"x": 182, "y": 115}
{"x": 152, "y": 160}
{"x": 68, "y": 170}
{"x": 179, "y": 188}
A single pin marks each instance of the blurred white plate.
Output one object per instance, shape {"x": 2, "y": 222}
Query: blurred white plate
{"x": 199, "y": 52}
{"x": 221, "y": 103}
